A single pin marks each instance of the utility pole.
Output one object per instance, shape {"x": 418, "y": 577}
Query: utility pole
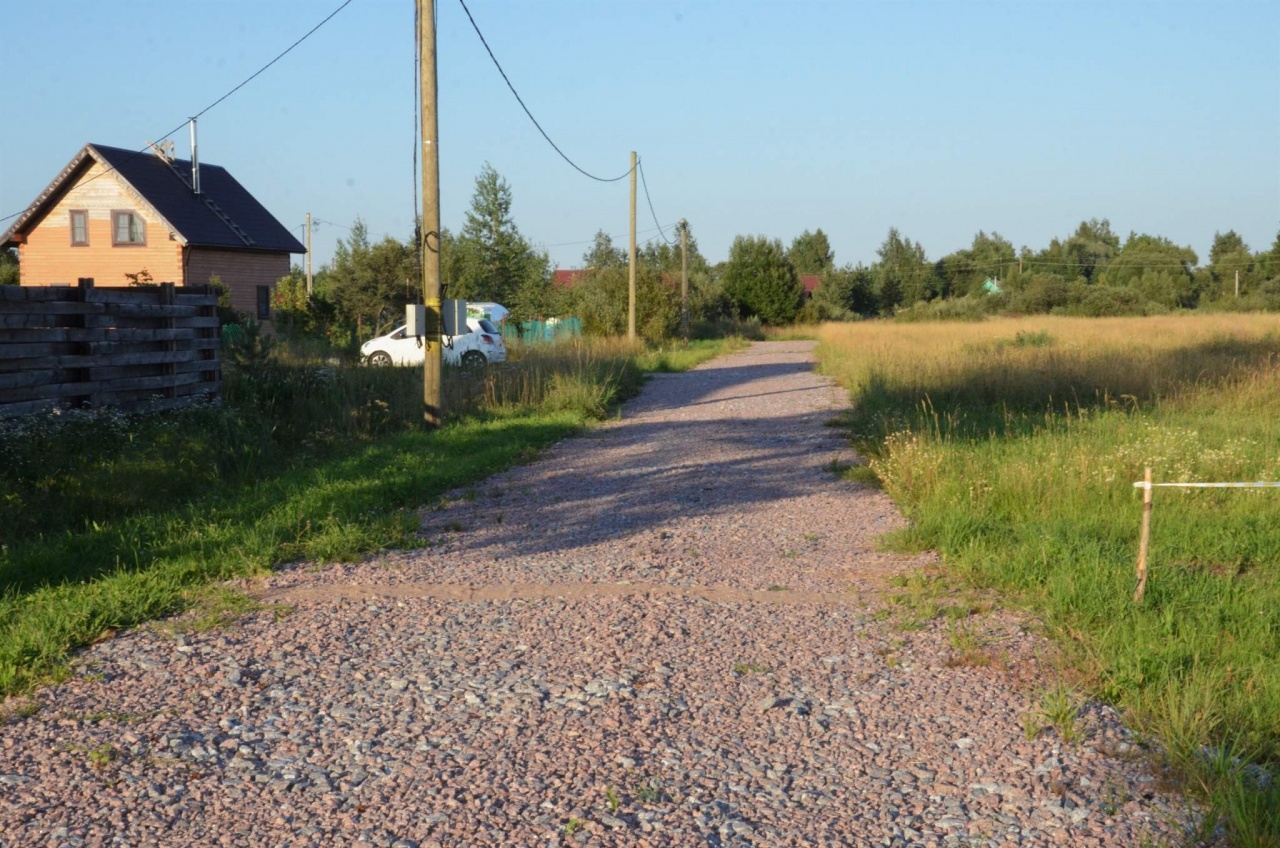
{"x": 631, "y": 279}
{"x": 1237, "y": 282}
{"x": 308, "y": 254}
{"x": 684, "y": 279}
{"x": 429, "y": 248}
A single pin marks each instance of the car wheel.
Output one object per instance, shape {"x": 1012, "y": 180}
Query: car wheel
{"x": 473, "y": 359}
{"x": 380, "y": 357}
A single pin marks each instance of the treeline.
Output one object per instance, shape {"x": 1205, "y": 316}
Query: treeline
{"x": 1090, "y": 273}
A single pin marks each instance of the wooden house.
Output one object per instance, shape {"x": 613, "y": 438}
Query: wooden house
{"x": 114, "y": 213}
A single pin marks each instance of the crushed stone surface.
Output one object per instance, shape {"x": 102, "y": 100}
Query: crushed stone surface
{"x": 674, "y": 630}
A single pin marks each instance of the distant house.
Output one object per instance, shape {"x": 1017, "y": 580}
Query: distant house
{"x": 567, "y": 278}
{"x": 811, "y": 282}
{"x": 991, "y": 286}
{"x": 113, "y": 212}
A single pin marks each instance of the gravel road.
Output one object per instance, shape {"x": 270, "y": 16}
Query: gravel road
{"x": 670, "y": 631}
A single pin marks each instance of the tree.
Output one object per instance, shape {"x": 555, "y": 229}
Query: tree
{"x": 811, "y": 253}
{"x": 9, "y": 275}
{"x": 1156, "y": 268}
{"x": 491, "y": 260}
{"x": 492, "y": 255}
{"x": 848, "y": 291}
{"x": 603, "y": 254}
{"x": 1085, "y": 254}
{"x": 1269, "y": 263}
{"x": 532, "y": 296}
{"x": 371, "y": 283}
{"x": 600, "y": 300}
{"x": 964, "y": 271}
{"x": 706, "y": 296}
{"x": 1230, "y": 254}
{"x": 903, "y": 274}
{"x": 759, "y": 280}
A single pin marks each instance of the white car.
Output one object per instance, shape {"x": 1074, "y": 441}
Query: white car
{"x": 479, "y": 347}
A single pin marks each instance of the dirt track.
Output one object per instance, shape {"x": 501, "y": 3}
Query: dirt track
{"x": 665, "y": 632}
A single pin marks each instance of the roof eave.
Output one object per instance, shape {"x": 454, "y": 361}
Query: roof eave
{"x": 44, "y": 198}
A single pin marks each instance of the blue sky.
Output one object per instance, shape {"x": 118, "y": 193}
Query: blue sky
{"x": 751, "y": 117}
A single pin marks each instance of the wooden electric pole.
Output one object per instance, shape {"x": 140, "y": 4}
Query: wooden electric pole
{"x": 631, "y": 278}
{"x": 429, "y": 248}
{"x": 684, "y": 279}
{"x": 1237, "y": 282}
{"x": 308, "y": 254}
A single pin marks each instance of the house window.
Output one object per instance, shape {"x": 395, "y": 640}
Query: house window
{"x": 264, "y": 303}
{"x": 79, "y": 228}
{"x": 128, "y": 228}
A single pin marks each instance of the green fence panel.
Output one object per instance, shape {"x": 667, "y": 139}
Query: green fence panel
{"x": 534, "y": 332}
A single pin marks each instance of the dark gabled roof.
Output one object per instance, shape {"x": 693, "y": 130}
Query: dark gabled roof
{"x": 224, "y": 214}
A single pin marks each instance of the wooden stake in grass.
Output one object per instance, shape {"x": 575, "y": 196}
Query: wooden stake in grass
{"x": 1144, "y": 541}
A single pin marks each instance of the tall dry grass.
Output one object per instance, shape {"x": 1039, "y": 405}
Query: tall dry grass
{"x": 1013, "y": 445}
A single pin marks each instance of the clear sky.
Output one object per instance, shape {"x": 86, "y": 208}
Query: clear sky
{"x": 751, "y": 117}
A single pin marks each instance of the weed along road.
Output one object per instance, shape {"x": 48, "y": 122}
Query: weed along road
{"x": 675, "y": 630}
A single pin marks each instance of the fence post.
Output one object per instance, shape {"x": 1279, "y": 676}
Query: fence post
{"x": 213, "y": 376}
{"x": 170, "y": 368}
{"x": 84, "y": 288}
{"x": 1144, "y": 541}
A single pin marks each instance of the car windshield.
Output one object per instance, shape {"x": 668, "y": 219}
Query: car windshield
{"x": 486, "y": 326}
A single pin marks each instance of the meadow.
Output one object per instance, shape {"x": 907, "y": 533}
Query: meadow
{"x": 110, "y": 520}
{"x": 1013, "y": 446}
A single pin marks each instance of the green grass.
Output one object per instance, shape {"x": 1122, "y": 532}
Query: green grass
{"x": 113, "y": 520}
{"x": 1012, "y": 446}
{"x": 679, "y": 356}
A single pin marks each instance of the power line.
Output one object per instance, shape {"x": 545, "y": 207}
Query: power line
{"x": 645, "y": 183}
{"x": 286, "y": 52}
{"x": 248, "y": 80}
{"x": 520, "y": 100}
{"x": 592, "y": 241}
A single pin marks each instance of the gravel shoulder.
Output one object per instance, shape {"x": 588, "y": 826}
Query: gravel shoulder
{"x": 667, "y": 632}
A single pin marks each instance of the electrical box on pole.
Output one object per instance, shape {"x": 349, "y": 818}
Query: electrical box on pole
{"x": 454, "y": 315}
{"x": 415, "y": 320}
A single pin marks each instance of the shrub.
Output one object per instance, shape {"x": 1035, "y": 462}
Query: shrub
{"x": 725, "y": 327}
{"x": 1089, "y": 301}
{"x": 1042, "y": 294}
{"x": 968, "y": 308}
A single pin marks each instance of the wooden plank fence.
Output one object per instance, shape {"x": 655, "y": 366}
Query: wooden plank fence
{"x": 83, "y": 346}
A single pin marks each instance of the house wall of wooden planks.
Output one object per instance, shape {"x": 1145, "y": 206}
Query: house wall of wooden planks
{"x": 80, "y": 346}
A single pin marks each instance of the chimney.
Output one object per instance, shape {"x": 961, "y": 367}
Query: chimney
{"x": 195, "y": 160}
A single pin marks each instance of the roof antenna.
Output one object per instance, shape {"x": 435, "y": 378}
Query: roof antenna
{"x": 162, "y": 150}
{"x": 195, "y": 160}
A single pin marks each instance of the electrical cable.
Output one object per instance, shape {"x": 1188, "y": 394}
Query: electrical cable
{"x": 520, "y": 100}
{"x": 248, "y": 80}
{"x": 286, "y": 52}
{"x": 645, "y": 183}
{"x": 593, "y": 241}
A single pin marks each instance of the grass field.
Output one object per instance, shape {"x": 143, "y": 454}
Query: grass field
{"x": 110, "y": 520}
{"x": 1012, "y": 445}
